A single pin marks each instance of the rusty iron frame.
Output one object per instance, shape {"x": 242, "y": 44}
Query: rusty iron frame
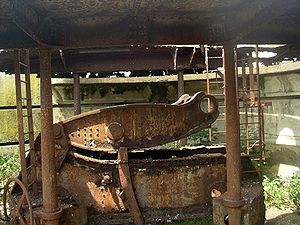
{"x": 16, "y": 213}
{"x": 20, "y": 115}
{"x": 208, "y": 88}
{"x": 28, "y": 116}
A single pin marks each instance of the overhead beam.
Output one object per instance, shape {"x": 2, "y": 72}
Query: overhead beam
{"x": 26, "y": 19}
{"x": 42, "y": 30}
{"x": 253, "y": 15}
{"x": 134, "y": 59}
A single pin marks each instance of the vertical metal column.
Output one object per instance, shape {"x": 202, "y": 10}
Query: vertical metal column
{"x": 51, "y": 210}
{"x": 180, "y": 76}
{"x": 232, "y": 198}
{"x": 76, "y": 94}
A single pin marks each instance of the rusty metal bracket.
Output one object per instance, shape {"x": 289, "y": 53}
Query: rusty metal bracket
{"x": 125, "y": 180}
{"x": 62, "y": 141}
{"x": 138, "y": 125}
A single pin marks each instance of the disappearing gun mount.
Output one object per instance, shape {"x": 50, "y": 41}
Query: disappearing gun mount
{"x": 128, "y": 127}
{"x": 136, "y": 125}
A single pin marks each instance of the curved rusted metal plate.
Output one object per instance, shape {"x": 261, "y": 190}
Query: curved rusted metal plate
{"x": 138, "y": 125}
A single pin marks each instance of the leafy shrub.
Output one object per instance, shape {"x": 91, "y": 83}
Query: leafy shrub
{"x": 294, "y": 189}
{"x": 9, "y": 167}
{"x": 276, "y": 192}
{"x": 200, "y": 138}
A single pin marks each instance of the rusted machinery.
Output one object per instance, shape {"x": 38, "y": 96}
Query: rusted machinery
{"x": 109, "y": 171}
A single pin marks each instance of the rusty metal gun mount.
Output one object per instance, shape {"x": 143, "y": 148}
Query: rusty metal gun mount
{"x": 136, "y": 125}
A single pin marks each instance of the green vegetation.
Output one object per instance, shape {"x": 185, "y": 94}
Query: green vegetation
{"x": 9, "y": 167}
{"x": 201, "y": 138}
{"x": 203, "y": 221}
{"x": 282, "y": 193}
{"x": 294, "y": 189}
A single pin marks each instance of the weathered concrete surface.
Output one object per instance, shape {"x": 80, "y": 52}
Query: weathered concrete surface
{"x": 254, "y": 210}
{"x": 282, "y": 119}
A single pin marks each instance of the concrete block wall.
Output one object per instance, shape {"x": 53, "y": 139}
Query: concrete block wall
{"x": 280, "y": 85}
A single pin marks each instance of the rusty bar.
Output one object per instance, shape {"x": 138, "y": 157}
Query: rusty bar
{"x": 208, "y": 90}
{"x": 180, "y": 75}
{"x": 76, "y": 94}
{"x": 126, "y": 184}
{"x": 50, "y": 197}
{"x": 244, "y": 83}
{"x": 252, "y": 84}
{"x": 20, "y": 117}
{"x": 232, "y": 199}
{"x": 259, "y": 113}
{"x": 30, "y": 122}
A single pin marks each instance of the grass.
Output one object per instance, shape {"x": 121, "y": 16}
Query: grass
{"x": 203, "y": 221}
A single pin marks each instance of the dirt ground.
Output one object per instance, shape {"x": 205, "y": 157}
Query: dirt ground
{"x": 276, "y": 216}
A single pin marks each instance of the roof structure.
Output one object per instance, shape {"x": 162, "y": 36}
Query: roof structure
{"x": 98, "y": 23}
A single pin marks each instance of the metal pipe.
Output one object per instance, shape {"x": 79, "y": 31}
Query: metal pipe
{"x": 49, "y": 184}
{"x": 232, "y": 199}
{"x": 180, "y": 76}
{"x": 76, "y": 94}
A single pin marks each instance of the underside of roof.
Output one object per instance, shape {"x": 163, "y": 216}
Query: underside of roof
{"x": 99, "y": 23}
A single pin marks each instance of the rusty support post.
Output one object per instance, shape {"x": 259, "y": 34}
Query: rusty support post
{"x": 125, "y": 179}
{"x": 232, "y": 198}
{"x": 180, "y": 77}
{"x": 51, "y": 210}
{"x": 76, "y": 94}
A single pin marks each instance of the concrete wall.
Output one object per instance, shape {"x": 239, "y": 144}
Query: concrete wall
{"x": 282, "y": 119}
{"x": 95, "y": 94}
{"x": 280, "y": 85}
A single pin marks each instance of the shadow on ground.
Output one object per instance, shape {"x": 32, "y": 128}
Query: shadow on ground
{"x": 289, "y": 218}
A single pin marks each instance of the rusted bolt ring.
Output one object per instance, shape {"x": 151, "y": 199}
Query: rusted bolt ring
{"x": 115, "y": 131}
{"x": 51, "y": 215}
{"x": 233, "y": 203}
